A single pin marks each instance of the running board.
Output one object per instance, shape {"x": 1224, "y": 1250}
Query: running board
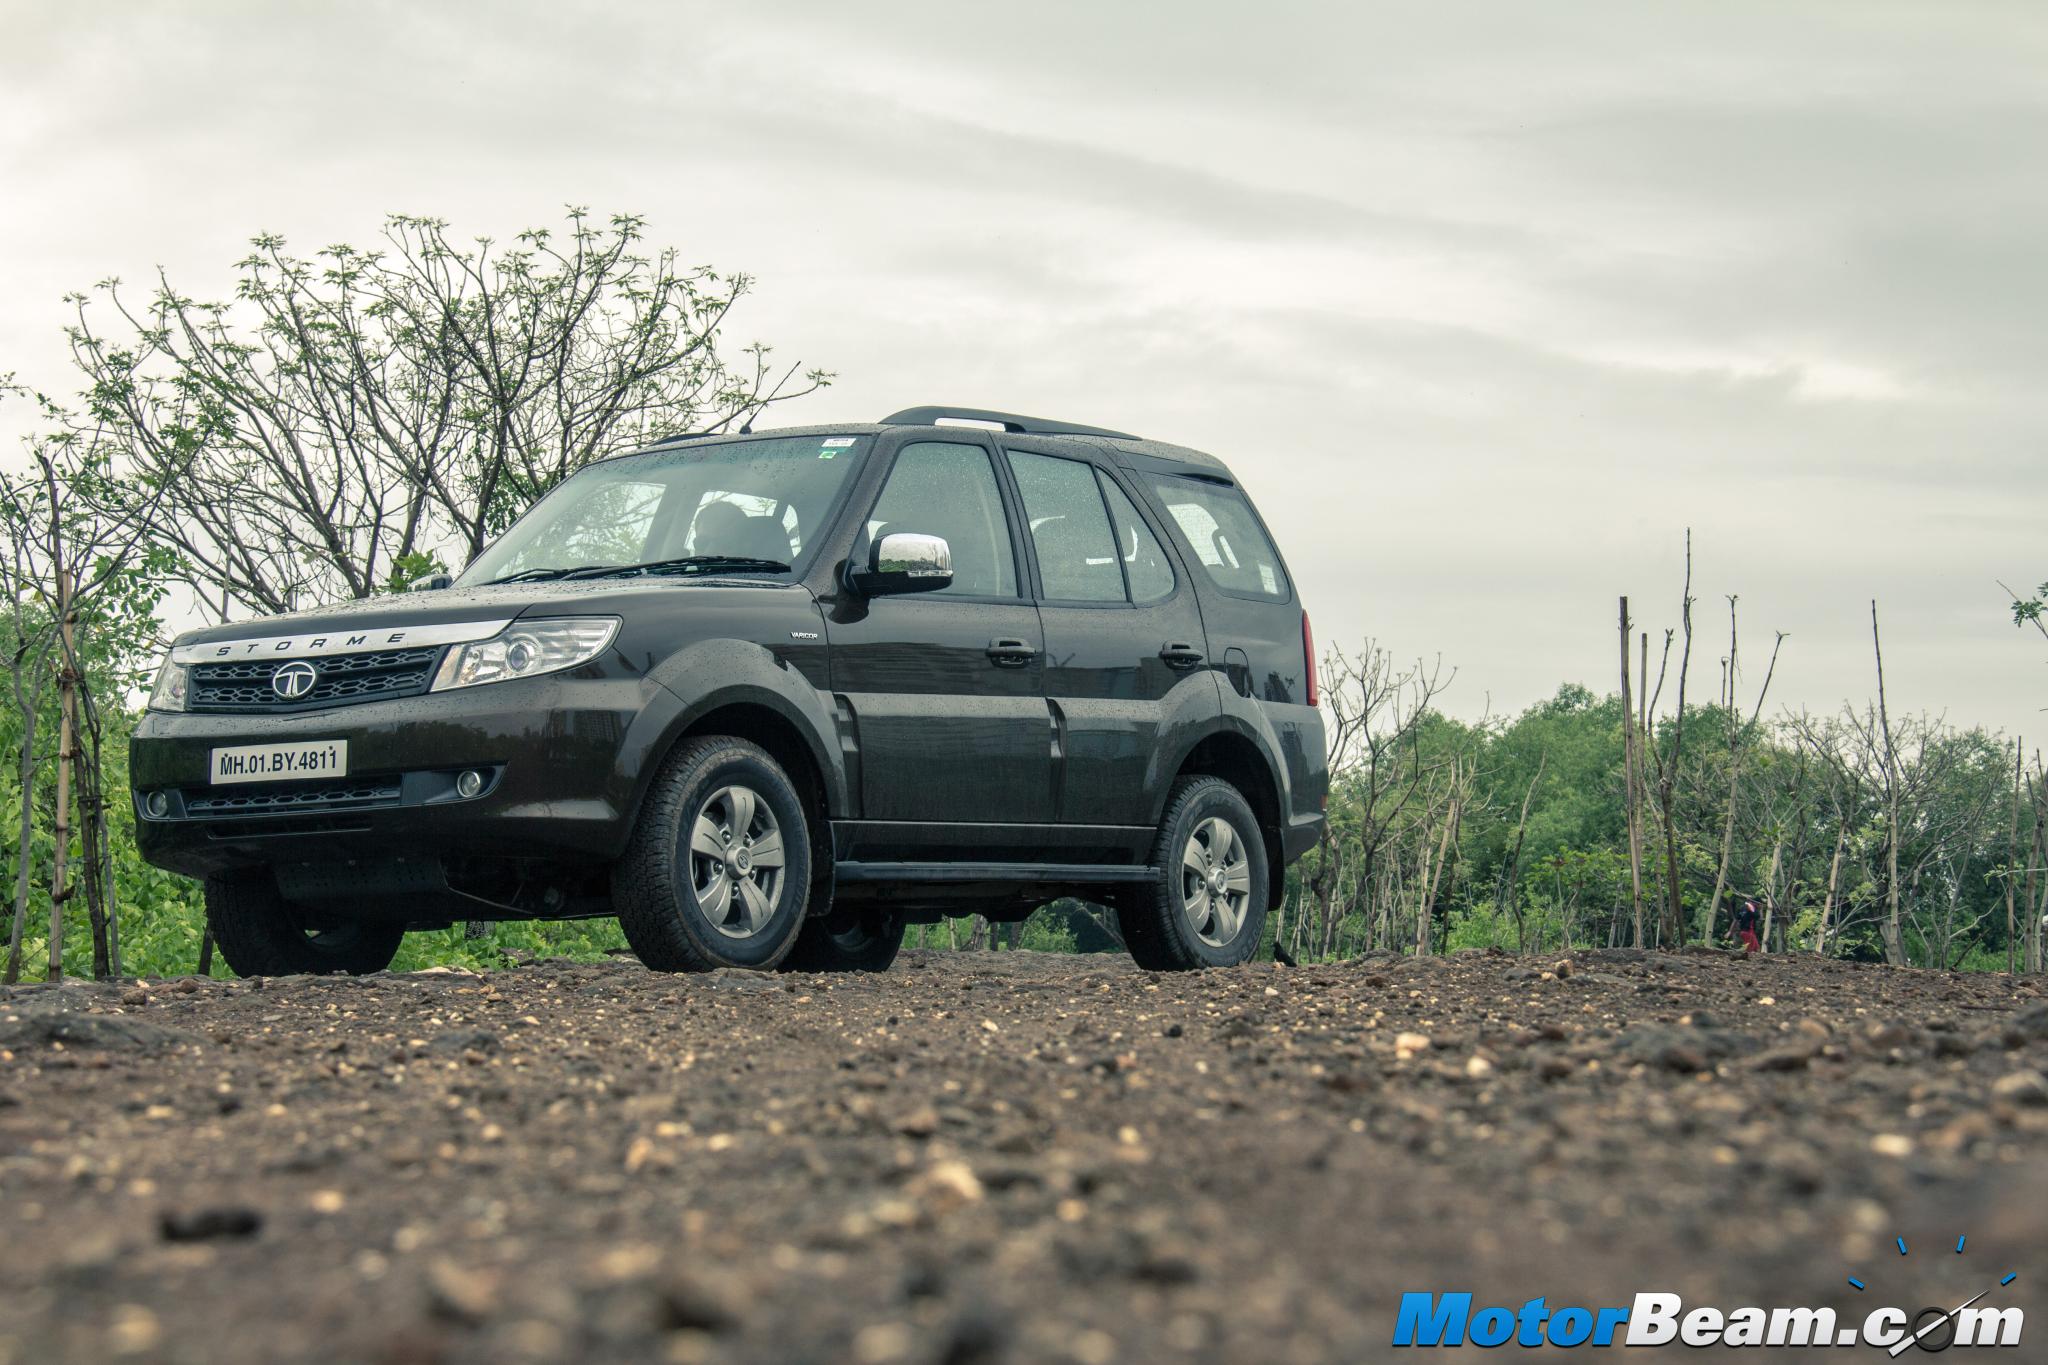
{"x": 989, "y": 872}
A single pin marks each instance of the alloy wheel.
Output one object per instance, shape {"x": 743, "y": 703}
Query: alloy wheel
{"x": 736, "y": 860}
{"x": 1215, "y": 882}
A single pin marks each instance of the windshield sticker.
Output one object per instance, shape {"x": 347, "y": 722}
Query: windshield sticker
{"x": 839, "y": 441}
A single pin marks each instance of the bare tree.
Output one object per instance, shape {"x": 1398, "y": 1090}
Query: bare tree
{"x": 1894, "y": 944}
{"x": 1667, "y": 769}
{"x": 354, "y": 420}
{"x": 1374, "y": 712}
{"x": 1739, "y": 736}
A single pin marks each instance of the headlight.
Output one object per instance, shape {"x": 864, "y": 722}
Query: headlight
{"x": 167, "y": 693}
{"x": 526, "y": 648}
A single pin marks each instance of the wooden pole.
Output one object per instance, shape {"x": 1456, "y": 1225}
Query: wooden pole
{"x": 67, "y": 735}
{"x": 2012, "y": 857}
{"x": 1629, "y": 769}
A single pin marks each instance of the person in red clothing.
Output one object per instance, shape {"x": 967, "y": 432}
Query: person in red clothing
{"x": 1747, "y": 921}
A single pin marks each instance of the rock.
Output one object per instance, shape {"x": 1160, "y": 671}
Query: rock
{"x": 1166, "y": 1268}
{"x": 2030, "y": 1025}
{"x": 110, "y": 1032}
{"x": 1955, "y": 1044}
{"x": 697, "y": 1303}
{"x": 207, "y": 1224}
{"x": 944, "y": 1187}
{"x": 975, "y": 1338}
{"x": 1406, "y": 1045}
{"x": 469, "y": 1297}
{"x": 1681, "y": 1049}
{"x": 2022, "y": 1087}
{"x": 920, "y": 1122}
{"x": 1563, "y": 969}
{"x": 737, "y": 979}
{"x": 456, "y": 1041}
{"x": 134, "y": 1331}
{"x": 1885, "y": 1037}
{"x": 1794, "y": 1058}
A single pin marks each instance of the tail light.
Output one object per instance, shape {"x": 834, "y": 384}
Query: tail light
{"x": 1308, "y": 648}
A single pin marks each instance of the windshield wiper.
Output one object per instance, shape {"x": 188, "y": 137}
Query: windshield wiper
{"x": 686, "y": 564}
{"x": 537, "y": 575}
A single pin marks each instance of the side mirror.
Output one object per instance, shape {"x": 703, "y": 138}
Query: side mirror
{"x": 432, "y": 583}
{"x": 904, "y": 561}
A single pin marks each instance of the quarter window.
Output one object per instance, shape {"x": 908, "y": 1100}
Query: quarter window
{"x": 1225, "y": 537}
{"x": 1077, "y": 558}
{"x": 1145, "y": 565}
{"x": 941, "y": 488}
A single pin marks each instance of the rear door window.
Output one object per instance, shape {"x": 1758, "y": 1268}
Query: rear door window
{"x": 1226, "y": 538}
{"x": 1077, "y": 558}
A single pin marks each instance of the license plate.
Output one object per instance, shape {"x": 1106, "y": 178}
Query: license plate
{"x": 281, "y": 762}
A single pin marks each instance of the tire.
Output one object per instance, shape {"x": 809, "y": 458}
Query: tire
{"x": 259, "y": 933}
{"x": 1181, "y": 922}
{"x": 869, "y": 944}
{"x": 692, "y": 892}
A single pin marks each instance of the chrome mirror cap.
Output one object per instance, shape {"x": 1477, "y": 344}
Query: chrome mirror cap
{"x": 905, "y": 561}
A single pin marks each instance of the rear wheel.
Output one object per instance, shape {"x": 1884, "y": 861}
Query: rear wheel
{"x": 1207, "y": 907}
{"x": 260, "y": 933}
{"x": 868, "y": 943}
{"x": 718, "y": 870}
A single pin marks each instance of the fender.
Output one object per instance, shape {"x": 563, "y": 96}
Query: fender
{"x": 703, "y": 677}
{"x": 1224, "y": 724}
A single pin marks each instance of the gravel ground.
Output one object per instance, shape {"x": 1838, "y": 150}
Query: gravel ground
{"x": 990, "y": 1157}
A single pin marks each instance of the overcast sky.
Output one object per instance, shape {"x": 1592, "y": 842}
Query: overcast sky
{"x": 1484, "y": 303}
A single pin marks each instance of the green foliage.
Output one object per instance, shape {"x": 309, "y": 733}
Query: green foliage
{"x": 2027, "y": 611}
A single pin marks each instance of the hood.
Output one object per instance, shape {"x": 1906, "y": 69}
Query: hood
{"x": 407, "y": 612}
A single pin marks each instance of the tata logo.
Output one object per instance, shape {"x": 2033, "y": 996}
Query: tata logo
{"x": 293, "y": 680}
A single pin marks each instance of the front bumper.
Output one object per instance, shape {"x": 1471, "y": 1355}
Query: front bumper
{"x": 561, "y": 756}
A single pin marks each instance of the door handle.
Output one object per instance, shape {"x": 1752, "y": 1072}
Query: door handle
{"x": 1180, "y": 655}
{"x": 1008, "y": 653}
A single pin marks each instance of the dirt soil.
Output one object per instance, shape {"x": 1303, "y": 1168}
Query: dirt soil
{"x": 995, "y": 1156}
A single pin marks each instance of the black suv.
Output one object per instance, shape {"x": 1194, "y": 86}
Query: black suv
{"x": 769, "y": 697}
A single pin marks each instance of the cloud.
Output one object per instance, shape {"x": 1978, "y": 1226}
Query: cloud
{"x": 1485, "y": 303}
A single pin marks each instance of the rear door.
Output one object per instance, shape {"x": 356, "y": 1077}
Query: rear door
{"x": 946, "y": 690}
{"x": 1126, "y": 661}
{"x": 1255, "y": 624}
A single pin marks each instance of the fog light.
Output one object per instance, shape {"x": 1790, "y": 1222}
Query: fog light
{"x": 469, "y": 784}
{"x": 157, "y": 804}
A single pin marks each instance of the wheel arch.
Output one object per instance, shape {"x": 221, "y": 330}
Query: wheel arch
{"x": 1235, "y": 758}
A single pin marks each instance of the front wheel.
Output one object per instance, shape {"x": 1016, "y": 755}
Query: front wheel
{"x": 260, "y": 933}
{"x": 1207, "y": 907}
{"x": 718, "y": 870}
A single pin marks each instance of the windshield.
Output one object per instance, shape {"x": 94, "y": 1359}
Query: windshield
{"x": 764, "y": 501}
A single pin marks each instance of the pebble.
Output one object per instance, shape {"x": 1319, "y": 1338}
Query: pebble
{"x": 2022, "y": 1087}
{"x": 206, "y": 1224}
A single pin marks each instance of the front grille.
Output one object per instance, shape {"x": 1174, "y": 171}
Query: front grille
{"x": 244, "y": 685}
{"x": 313, "y": 798}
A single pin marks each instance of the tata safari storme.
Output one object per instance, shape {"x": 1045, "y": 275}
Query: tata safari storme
{"x": 768, "y": 698}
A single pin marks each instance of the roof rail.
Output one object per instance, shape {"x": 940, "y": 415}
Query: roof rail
{"x": 1008, "y": 421}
